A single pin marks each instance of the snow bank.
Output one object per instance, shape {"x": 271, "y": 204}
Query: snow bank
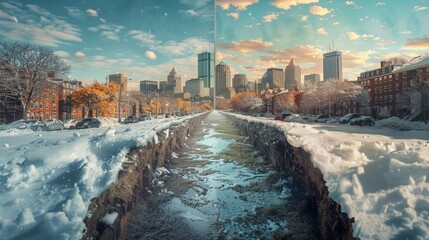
{"x": 48, "y": 179}
{"x": 379, "y": 178}
{"x": 399, "y": 124}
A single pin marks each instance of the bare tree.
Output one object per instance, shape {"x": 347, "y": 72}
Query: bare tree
{"x": 25, "y": 69}
{"x": 398, "y": 60}
{"x": 416, "y": 96}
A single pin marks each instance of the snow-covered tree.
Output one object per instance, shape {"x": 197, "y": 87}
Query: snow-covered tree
{"x": 247, "y": 102}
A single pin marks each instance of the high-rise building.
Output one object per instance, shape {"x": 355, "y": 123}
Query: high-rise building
{"x": 239, "y": 80}
{"x": 174, "y": 82}
{"x": 332, "y": 65}
{"x": 293, "y": 76}
{"x": 121, "y": 79}
{"x": 206, "y": 69}
{"x": 223, "y": 78}
{"x": 274, "y": 77}
{"x": 148, "y": 86}
{"x": 312, "y": 78}
{"x": 196, "y": 88}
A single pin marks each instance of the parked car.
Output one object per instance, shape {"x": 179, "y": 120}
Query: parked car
{"x": 88, "y": 123}
{"x": 346, "y": 118}
{"x": 362, "y": 121}
{"x": 22, "y": 124}
{"x": 145, "y": 117}
{"x": 48, "y": 125}
{"x": 322, "y": 118}
{"x": 71, "y": 123}
{"x": 131, "y": 119}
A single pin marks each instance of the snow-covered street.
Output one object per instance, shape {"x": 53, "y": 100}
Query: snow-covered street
{"x": 378, "y": 175}
{"x": 47, "y": 179}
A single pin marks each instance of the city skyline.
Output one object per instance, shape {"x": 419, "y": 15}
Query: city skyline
{"x": 253, "y": 36}
{"x": 143, "y": 39}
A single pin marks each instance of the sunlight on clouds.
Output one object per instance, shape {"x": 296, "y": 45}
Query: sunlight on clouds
{"x": 270, "y": 17}
{"x": 239, "y": 4}
{"x": 80, "y": 55}
{"x": 318, "y": 10}
{"x": 419, "y": 8}
{"x": 355, "y": 36}
{"x": 304, "y": 18}
{"x": 417, "y": 43}
{"x": 322, "y": 31}
{"x": 245, "y": 46}
{"x": 234, "y": 15}
{"x": 287, "y": 4}
{"x": 151, "y": 55}
{"x": 92, "y": 12}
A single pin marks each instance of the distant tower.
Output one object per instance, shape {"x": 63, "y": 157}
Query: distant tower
{"x": 223, "y": 78}
{"x": 332, "y": 65}
{"x": 273, "y": 78}
{"x": 120, "y": 79}
{"x": 206, "y": 69}
{"x": 293, "y": 76}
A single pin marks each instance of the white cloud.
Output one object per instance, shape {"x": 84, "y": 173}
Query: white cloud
{"x": 382, "y": 42}
{"x": 304, "y": 18}
{"x": 349, "y": 3}
{"x": 419, "y": 8}
{"x": 335, "y": 23}
{"x": 80, "y": 55}
{"x": 109, "y": 31}
{"x": 287, "y": 4}
{"x": 246, "y": 46}
{"x": 234, "y": 15}
{"x": 318, "y": 10}
{"x": 191, "y": 12}
{"x": 62, "y": 54}
{"x": 202, "y": 9}
{"x": 270, "y": 17}
{"x": 355, "y": 36}
{"x": 110, "y": 35}
{"x": 74, "y": 12}
{"x": 144, "y": 38}
{"x": 322, "y": 31}
{"x": 380, "y": 4}
{"x": 239, "y": 4}
{"x": 417, "y": 43}
{"x": 151, "y": 55}
{"x": 248, "y": 26}
{"x": 92, "y": 12}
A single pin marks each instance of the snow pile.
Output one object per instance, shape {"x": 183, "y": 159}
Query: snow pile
{"x": 379, "y": 176}
{"x": 109, "y": 218}
{"x": 48, "y": 179}
{"x": 399, "y": 124}
{"x": 108, "y": 121}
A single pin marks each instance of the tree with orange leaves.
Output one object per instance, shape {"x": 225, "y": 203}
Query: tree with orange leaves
{"x": 96, "y": 98}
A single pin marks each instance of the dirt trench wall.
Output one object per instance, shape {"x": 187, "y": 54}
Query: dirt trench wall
{"x": 135, "y": 181}
{"x": 333, "y": 223}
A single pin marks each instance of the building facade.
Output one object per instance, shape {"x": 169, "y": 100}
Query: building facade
{"x": 389, "y": 83}
{"x": 174, "y": 82}
{"x": 121, "y": 79}
{"x": 332, "y": 66}
{"x": 312, "y": 79}
{"x": 293, "y": 76}
{"x": 196, "y": 88}
{"x": 239, "y": 80}
{"x": 223, "y": 78}
{"x": 148, "y": 86}
{"x": 273, "y": 78}
{"x": 206, "y": 69}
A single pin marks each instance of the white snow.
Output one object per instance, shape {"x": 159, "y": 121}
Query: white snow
{"x": 48, "y": 179}
{"x": 380, "y": 176}
{"x": 109, "y": 218}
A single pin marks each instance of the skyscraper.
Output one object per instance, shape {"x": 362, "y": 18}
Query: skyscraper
{"x": 312, "y": 78}
{"x": 120, "y": 79}
{"x": 223, "y": 78}
{"x": 274, "y": 77}
{"x": 293, "y": 76}
{"x": 174, "y": 82}
{"x": 206, "y": 69}
{"x": 332, "y": 65}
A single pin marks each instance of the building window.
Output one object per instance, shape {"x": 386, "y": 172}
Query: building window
{"x": 376, "y": 100}
{"x": 54, "y": 106}
{"x": 47, "y": 106}
{"x": 404, "y": 75}
{"x": 390, "y": 77}
{"x": 54, "y": 115}
{"x": 390, "y": 87}
{"x": 41, "y": 105}
{"x": 37, "y": 105}
{"x": 397, "y": 76}
{"x": 385, "y": 88}
{"x": 385, "y": 78}
{"x": 390, "y": 98}
{"x": 376, "y": 80}
{"x": 54, "y": 96}
{"x": 47, "y": 116}
{"x": 397, "y": 86}
{"x": 376, "y": 89}
{"x": 386, "y": 98}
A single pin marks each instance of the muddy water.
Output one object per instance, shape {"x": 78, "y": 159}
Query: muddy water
{"x": 220, "y": 188}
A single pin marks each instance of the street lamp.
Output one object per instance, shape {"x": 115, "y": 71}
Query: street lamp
{"x": 120, "y": 98}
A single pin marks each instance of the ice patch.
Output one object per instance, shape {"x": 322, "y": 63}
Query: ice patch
{"x": 109, "y": 218}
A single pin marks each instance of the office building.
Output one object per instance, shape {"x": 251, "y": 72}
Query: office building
{"x": 332, "y": 66}
{"x": 223, "y": 78}
{"x": 293, "y": 76}
{"x": 148, "y": 86}
{"x": 274, "y": 78}
{"x": 121, "y": 79}
{"x": 312, "y": 79}
{"x": 196, "y": 88}
{"x": 206, "y": 69}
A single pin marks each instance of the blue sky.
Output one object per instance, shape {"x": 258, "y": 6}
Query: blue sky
{"x": 142, "y": 38}
{"x": 253, "y": 35}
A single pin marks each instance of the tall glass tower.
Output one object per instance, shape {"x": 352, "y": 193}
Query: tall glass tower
{"x": 206, "y": 69}
{"x": 332, "y": 66}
